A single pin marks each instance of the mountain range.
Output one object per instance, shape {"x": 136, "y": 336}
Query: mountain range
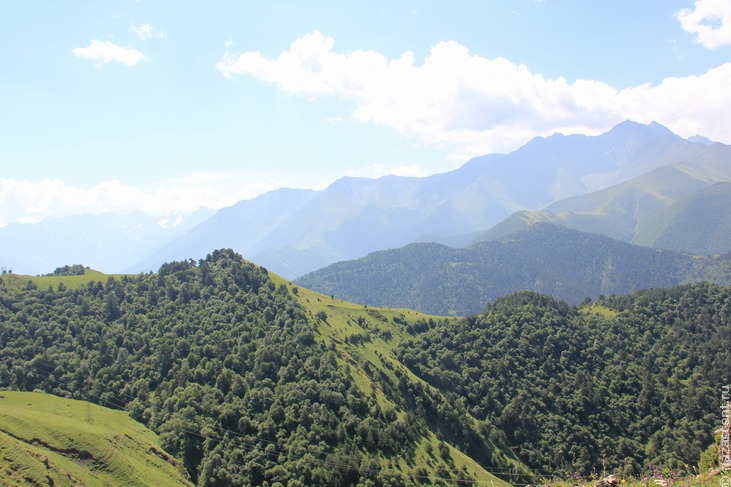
{"x": 105, "y": 241}
{"x": 636, "y": 183}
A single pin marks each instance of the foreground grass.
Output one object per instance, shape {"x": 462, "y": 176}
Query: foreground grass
{"x": 48, "y": 440}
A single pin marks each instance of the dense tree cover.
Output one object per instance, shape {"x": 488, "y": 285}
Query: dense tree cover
{"x": 216, "y": 359}
{"x": 628, "y": 381}
{"x": 226, "y": 367}
{"x": 69, "y": 270}
{"x": 545, "y": 258}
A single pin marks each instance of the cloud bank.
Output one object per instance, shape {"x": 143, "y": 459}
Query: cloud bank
{"x": 478, "y": 105}
{"x": 29, "y": 202}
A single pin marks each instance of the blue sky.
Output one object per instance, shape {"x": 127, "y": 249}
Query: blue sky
{"x": 166, "y": 106}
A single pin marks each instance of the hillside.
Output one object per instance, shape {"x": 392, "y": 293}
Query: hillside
{"x": 20, "y": 281}
{"x": 532, "y": 255}
{"x": 49, "y": 440}
{"x": 245, "y": 379}
{"x": 248, "y": 379}
{"x": 699, "y": 223}
{"x": 621, "y": 384}
{"x": 662, "y": 208}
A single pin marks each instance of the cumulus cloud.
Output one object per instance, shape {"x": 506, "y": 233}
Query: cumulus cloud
{"x": 687, "y": 105}
{"x": 105, "y": 51}
{"x": 709, "y": 21}
{"x": 478, "y": 105}
{"x": 27, "y": 201}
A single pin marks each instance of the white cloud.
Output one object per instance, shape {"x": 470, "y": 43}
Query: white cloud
{"x": 688, "y": 106}
{"x": 27, "y": 201}
{"x": 478, "y": 105}
{"x": 709, "y": 21}
{"x": 105, "y": 51}
{"x": 146, "y": 31}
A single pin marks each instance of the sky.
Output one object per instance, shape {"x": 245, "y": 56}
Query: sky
{"x": 167, "y": 106}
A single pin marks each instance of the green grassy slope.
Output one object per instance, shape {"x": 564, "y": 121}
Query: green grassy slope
{"x": 616, "y": 211}
{"x": 20, "y": 281}
{"x": 48, "y": 440}
{"x": 700, "y": 223}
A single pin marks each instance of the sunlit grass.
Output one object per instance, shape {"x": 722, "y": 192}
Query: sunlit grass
{"x": 49, "y": 440}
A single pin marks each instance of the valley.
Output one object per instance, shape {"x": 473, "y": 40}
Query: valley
{"x": 471, "y": 327}
{"x": 365, "y": 243}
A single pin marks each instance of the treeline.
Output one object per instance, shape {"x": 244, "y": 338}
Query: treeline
{"x": 216, "y": 359}
{"x": 627, "y": 382}
{"x": 69, "y": 270}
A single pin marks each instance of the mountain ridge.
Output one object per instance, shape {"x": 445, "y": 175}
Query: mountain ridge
{"x": 535, "y": 255}
{"x": 293, "y": 232}
{"x": 354, "y": 216}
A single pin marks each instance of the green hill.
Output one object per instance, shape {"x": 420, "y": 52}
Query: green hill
{"x": 680, "y": 206}
{"x": 20, "y": 281}
{"x": 49, "y": 440}
{"x": 246, "y": 380}
{"x": 251, "y": 380}
{"x": 627, "y": 382}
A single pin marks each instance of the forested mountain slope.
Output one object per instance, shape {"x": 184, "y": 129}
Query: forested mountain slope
{"x": 622, "y": 383}
{"x": 241, "y": 380}
{"x": 535, "y": 256}
{"x": 249, "y": 379}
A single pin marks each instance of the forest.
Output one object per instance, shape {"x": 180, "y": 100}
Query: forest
{"x": 230, "y": 367}
{"x": 623, "y": 383}
{"x": 546, "y": 258}
{"x": 219, "y": 361}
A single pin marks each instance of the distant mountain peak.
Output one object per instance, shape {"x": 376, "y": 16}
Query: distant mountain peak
{"x": 699, "y": 139}
{"x": 630, "y": 127}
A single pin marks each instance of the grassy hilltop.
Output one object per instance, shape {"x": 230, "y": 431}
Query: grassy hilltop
{"x": 49, "y": 440}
